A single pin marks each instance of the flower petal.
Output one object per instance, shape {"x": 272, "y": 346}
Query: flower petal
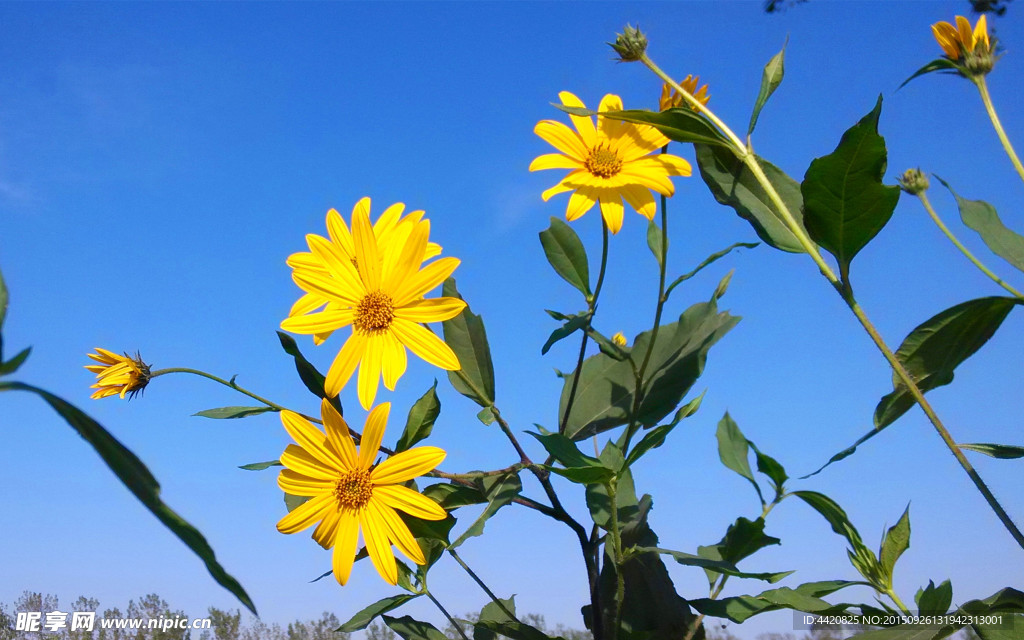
{"x": 367, "y": 254}
{"x": 397, "y": 531}
{"x": 378, "y": 545}
{"x": 328, "y": 287}
{"x": 298, "y": 459}
{"x": 338, "y": 436}
{"x": 310, "y": 438}
{"x": 344, "y": 364}
{"x": 304, "y": 515}
{"x": 611, "y": 210}
{"x": 583, "y": 124}
{"x": 370, "y": 370}
{"x": 424, "y": 280}
{"x": 610, "y": 129}
{"x": 326, "y": 531}
{"x": 407, "y": 465}
{"x": 425, "y": 344}
{"x": 554, "y": 161}
{"x": 373, "y": 434}
{"x": 640, "y": 198}
{"x": 393, "y": 360}
{"x": 346, "y": 536}
{"x": 339, "y": 265}
{"x": 581, "y": 201}
{"x": 298, "y": 484}
{"x": 431, "y": 309}
{"x": 409, "y": 260}
{"x": 319, "y": 321}
{"x": 338, "y": 230}
{"x": 308, "y": 302}
{"x": 561, "y": 187}
{"x": 562, "y": 138}
{"x": 409, "y": 501}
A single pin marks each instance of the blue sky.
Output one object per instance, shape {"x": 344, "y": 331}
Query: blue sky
{"x": 158, "y": 163}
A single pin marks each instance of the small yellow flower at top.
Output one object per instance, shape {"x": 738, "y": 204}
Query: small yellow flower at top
{"x": 619, "y": 339}
{"x": 348, "y": 492}
{"x": 670, "y": 98}
{"x": 610, "y": 162}
{"x": 117, "y": 375}
{"x": 970, "y": 47}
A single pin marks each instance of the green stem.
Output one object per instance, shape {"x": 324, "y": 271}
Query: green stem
{"x": 949, "y": 234}
{"x": 616, "y": 555}
{"x": 896, "y": 600}
{"x": 231, "y": 385}
{"x": 458, "y": 627}
{"x": 476, "y": 578}
{"x": 979, "y": 81}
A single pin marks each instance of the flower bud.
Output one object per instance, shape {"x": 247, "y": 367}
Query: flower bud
{"x": 630, "y": 44}
{"x": 913, "y": 181}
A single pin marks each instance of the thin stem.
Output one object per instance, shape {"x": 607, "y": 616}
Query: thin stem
{"x": 476, "y": 578}
{"x": 591, "y": 307}
{"x": 458, "y": 627}
{"x": 949, "y": 234}
{"x": 896, "y": 600}
{"x": 979, "y": 81}
{"x": 231, "y": 385}
{"x": 620, "y": 580}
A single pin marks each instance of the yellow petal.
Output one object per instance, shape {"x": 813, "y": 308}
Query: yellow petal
{"x": 409, "y": 260}
{"x": 393, "y": 360}
{"x": 373, "y": 434}
{"x": 965, "y": 33}
{"x": 378, "y": 545}
{"x": 304, "y": 515}
{"x": 562, "y": 138}
{"x": 580, "y": 202}
{"x": 346, "y": 537}
{"x": 407, "y": 465}
{"x": 397, "y": 531}
{"x": 340, "y": 266}
{"x": 981, "y": 31}
{"x": 338, "y": 436}
{"x": 338, "y": 230}
{"x": 299, "y": 485}
{"x": 344, "y": 364}
{"x": 328, "y": 287}
{"x": 298, "y": 459}
{"x": 655, "y": 179}
{"x": 388, "y": 220}
{"x": 610, "y": 129}
{"x": 431, "y": 309}
{"x": 310, "y": 438}
{"x": 583, "y": 124}
{"x": 370, "y": 370}
{"x": 554, "y": 161}
{"x": 640, "y": 198}
{"x": 946, "y": 35}
{"x": 308, "y": 302}
{"x": 367, "y": 254}
{"x": 405, "y": 499}
{"x": 320, "y": 321}
{"x": 425, "y": 344}
{"x": 424, "y": 280}
{"x": 611, "y": 210}
{"x": 561, "y": 187}
{"x": 326, "y": 532}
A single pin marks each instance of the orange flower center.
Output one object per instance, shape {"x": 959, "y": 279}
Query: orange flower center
{"x": 353, "y": 489}
{"x": 603, "y": 162}
{"x": 374, "y": 313}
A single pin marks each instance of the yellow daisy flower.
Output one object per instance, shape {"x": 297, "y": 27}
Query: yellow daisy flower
{"x": 961, "y": 39}
{"x": 349, "y": 493}
{"x": 391, "y": 229}
{"x": 670, "y": 99}
{"x": 610, "y": 162}
{"x": 619, "y": 339}
{"x": 382, "y": 300}
{"x": 117, "y": 375}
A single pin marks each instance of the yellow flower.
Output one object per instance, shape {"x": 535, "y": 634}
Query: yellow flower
{"x": 349, "y": 493}
{"x": 619, "y": 339}
{"x": 960, "y": 40}
{"x": 382, "y": 300}
{"x": 610, "y": 163}
{"x": 117, "y": 375}
{"x": 670, "y": 98}
{"x": 391, "y": 230}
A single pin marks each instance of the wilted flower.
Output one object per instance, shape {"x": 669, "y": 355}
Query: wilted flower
{"x": 117, "y": 375}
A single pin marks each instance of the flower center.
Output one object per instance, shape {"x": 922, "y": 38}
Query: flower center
{"x": 603, "y": 162}
{"x": 374, "y": 313}
{"x": 353, "y": 489}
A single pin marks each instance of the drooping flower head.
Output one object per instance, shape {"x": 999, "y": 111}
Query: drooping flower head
{"x": 117, "y": 375}
{"x": 670, "y": 98}
{"x": 610, "y": 162}
{"x": 970, "y": 48}
{"x": 378, "y": 289}
{"x": 348, "y": 493}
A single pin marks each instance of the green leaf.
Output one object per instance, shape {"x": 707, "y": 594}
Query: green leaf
{"x": 14, "y": 363}
{"x": 571, "y": 326}
{"x": 584, "y": 475}
{"x": 845, "y": 453}
{"x": 982, "y": 217}
{"x": 604, "y": 395}
{"x": 453, "y": 496}
{"x": 733, "y": 184}
{"x": 655, "y": 238}
{"x": 680, "y": 124}
{"x": 138, "y": 479}
{"x": 808, "y": 595}
{"x": 932, "y": 600}
{"x": 734, "y": 452}
{"x": 292, "y": 502}
{"x": 486, "y": 415}
{"x": 366, "y": 616}
{"x": 429, "y": 529}
{"x": 514, "y": 630}
{"x": 862, "y": 558}
{"x": 565, "y": 451}
{"x": 723, "y": 285}
{"x": 720, "y": 566}
{"x": 1004, "y": 451}
{"x": 420, "y": 421}
{"x": 566, "y": 254}
{"x": 936, "y": 347}
{"x": 228, "y": 413}
{"x": 1004, "y": 602}
{"x": 600, "y": 504}
{"x": 652, "y": 440}
{"x": 466, "y": 336}
{"x": 500, "y": 491}
{"x": 845, "y": 202}
{"x": 743, "y": 538}
{"x": 771, "y": 78}
{"x": 895, "y": 542}
{"x": 410, "y": 629}
{"x": 712, "y": 258}
{"x": 313, "y": 379}
{"x": 770, "y": 467}
{"x": 940, "y": 64}
{"x": 493, "y": 613}
{"x": 260, "y": 466}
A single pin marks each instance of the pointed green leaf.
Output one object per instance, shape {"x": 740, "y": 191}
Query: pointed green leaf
{"x": 937, "y": 346}
{"x": 845, "y": 202}
{"x": 721, "y": 566}
{"x": 734, "y": 452}
{"x": 313, "y": 379}
{"x": 982, "y": 217}
{"x": 652, "y": 440}
{"x": 770, "y": 467}
{"x": 808, "y": 595}
{"x": 845, "y": 453}
{"x": 734, "y": 185}
{"x": 260, "y": 466}
{"x": 934, "y": 600}
{"x": 771, "y": 78}
{"x": 366, "y": 616}
{"x": 494, "y": 612}
{"x": 571, "y": 326}
{"x": 292, "y": 502}
{"x": 565, "y": 451}
{"x": 566, "y": 254}
{"x": 410, "y": 629}
{"x": 138, "y": 479}
{"x": 655, "y": 238}
{"x": 466, "y": 336}
{"x": 896, "y": 541}
{"x": 713, "y": 257}
{"x": 500, "y": 491}
{"x": 1004, "y": 451}
{"x": 453, "y": 496}
{"x": 14, "y": 363}
{"x": 680, "y": 124}
{"x": 723, "y": 285}
{"x": 420, "y": 421}
{"x": 230, "y": 413}
{"x": 940, "y": 64}
{"x": 515, "y": 630}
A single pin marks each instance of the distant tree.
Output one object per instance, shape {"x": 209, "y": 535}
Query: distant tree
{"x": 114, "y": 633}
{"x": 81, "y": 605}
{"x": 378, "y": 631}
{"x": 717, "y": 631}
{"x": 225, "y": 625}
{"x": 153, "y": 607}
{"x": 322, "y": 629}
{"x": 6, "y": 624}
{"x": 260, "y": 630}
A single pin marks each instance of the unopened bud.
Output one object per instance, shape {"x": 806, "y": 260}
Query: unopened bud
{"x": 913, "y": 181}
{"x": 630, "y": 44}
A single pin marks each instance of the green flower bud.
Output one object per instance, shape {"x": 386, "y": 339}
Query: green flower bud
{"x": 913, "y": 181}
{"x": 630, "y": 44}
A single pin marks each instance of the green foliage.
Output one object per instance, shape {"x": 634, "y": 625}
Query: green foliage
{"x": 466, "y": 336}
{"x": 260, "y": 466}
{"x": 579, "y": 467}
{"x": 410, "y": 629}
{"x": 365, "y": 616}
{"x": 845, "y": 202}
{"x": 733, "y": 184}
{"x": 806, "y": 597}
{"x": 734, "y": 452}
{"x": 982, "y": 217}
{"x": 934, "y": 600}
{"x": 310, "y": 376}
{"x": 939, "y": 64}
{"x": 771, "y": 78}
{"x": 710, "y": 259}
{"x": 567, "y": 255}
{"x": 420, "y": 421}
{"x": 895, "y": 542}
{"x": 655, "y": 240}
{"x": 500, "y": 491}
{"x": 12, "y": 365}
{"x": 680, "y": 124}
{"x": 937, "y": 346}
{"x": 1005, "y": 451}
{"x": 863, "y": 559}
{"x": 453, "y": 496}
{"x": 573, "y": 324}
{"x": 228, "y": 413}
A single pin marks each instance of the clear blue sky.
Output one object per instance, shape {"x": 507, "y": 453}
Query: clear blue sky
{"x": 158, "y": 163}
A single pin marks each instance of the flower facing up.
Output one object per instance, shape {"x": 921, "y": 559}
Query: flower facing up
{"x": 670, "y": 98}
{"x": 610, "y": 162}
{"x": 968, "y": 47}
{"x": 347, "y": 492}
{"x": 391, "y": 230}
{"x": 378, "y": 290}
{"x": 117, "y": 375}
